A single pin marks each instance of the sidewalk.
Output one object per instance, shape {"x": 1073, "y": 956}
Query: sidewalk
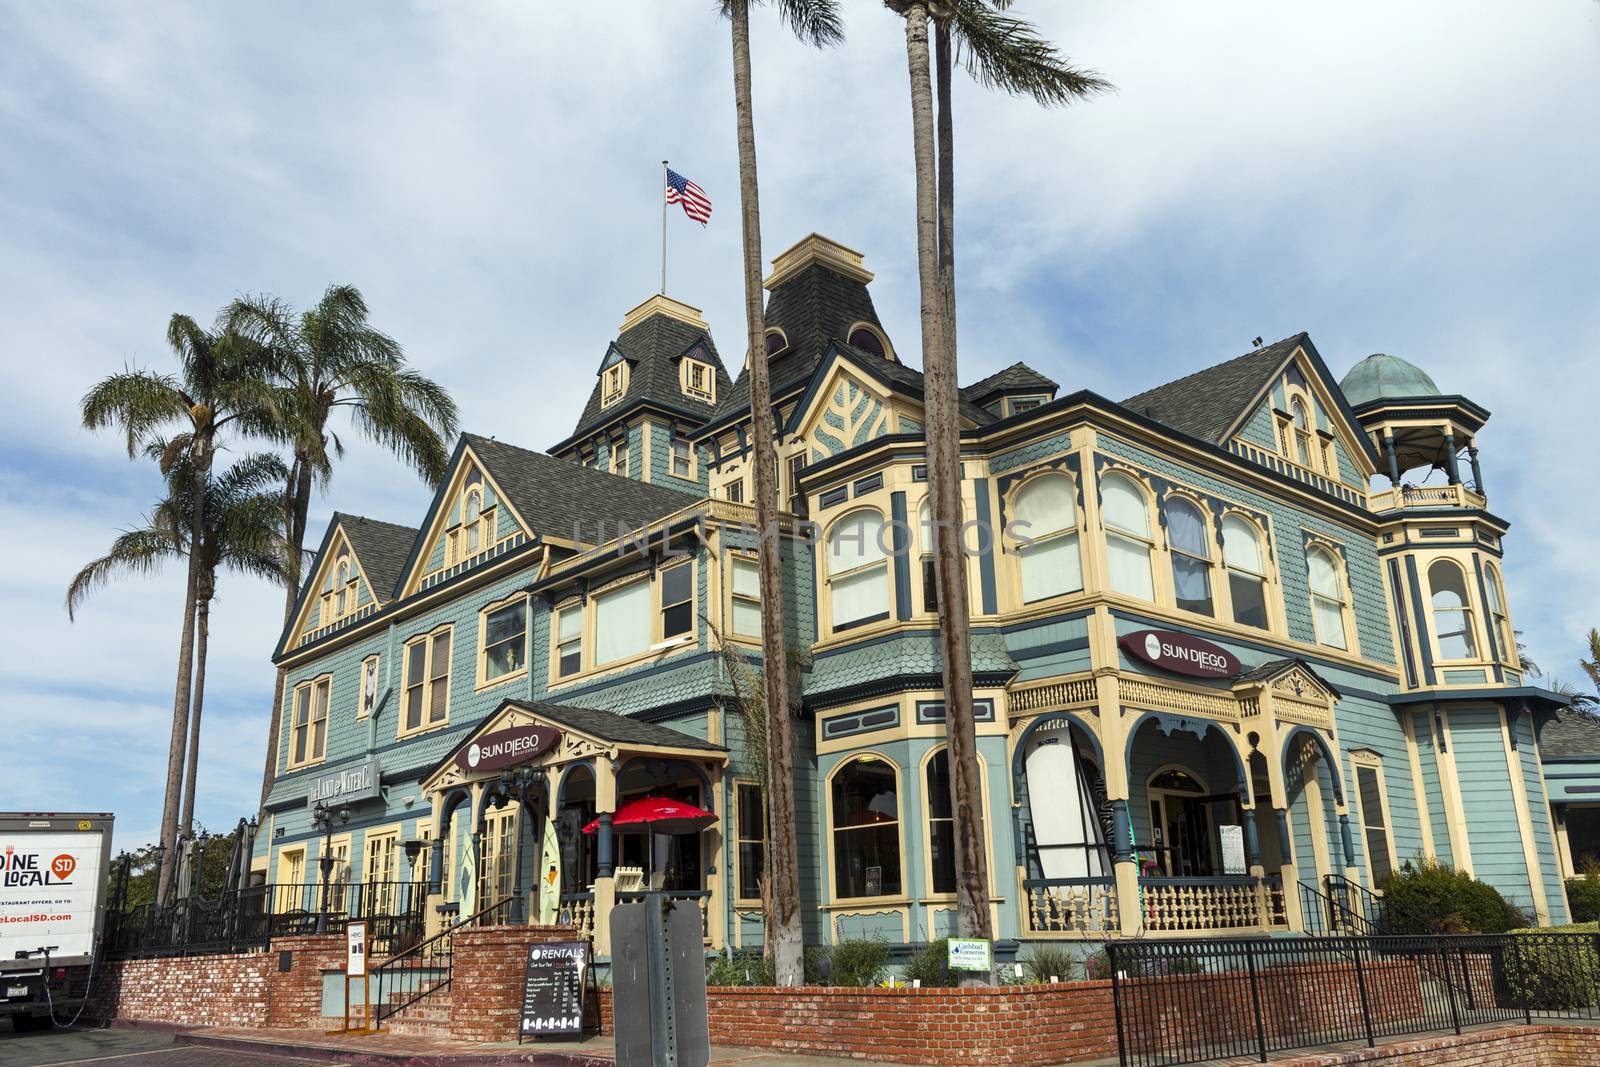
{"x": 394, "y": 1050}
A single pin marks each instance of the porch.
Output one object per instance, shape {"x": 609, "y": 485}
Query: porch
{"x": 512, "y": 805}
{"x": 1202, "y": 813}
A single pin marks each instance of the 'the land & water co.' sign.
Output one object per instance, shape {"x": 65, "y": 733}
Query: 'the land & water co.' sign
{"x": 345, "y": 785}
{"x": 1180, "y": 653}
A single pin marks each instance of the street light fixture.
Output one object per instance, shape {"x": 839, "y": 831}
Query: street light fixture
{"x": 322, "y": 817}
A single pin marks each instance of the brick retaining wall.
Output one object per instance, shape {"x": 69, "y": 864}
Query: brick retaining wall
{"x": 486, "y": 978}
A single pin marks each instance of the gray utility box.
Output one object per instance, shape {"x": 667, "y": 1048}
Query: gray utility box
{"x": 658, "y": 977}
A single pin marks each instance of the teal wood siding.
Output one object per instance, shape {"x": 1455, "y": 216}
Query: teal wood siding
{"x": 661, "y": 462}
{"x": 1260, "y": 429}
{"x": 1428, "y": 759}
{"x": 1364, "y": 723}
{"x": 1049, "y": 648}
{"x": 1544, "y": 838}
{"x": 808, "y": 828}
{"x": 1349, "y": 473}
{"x": 1492, "y": 833}
{"x": 1288, "y": 549}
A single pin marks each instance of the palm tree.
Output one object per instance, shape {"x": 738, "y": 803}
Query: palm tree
{"x": 215, "y": 386}
{"x": 815, "y": 22}
{"x": 320, "y": 360}
{"x": 242, "y": 533}
{"x": 1004, "y": 52}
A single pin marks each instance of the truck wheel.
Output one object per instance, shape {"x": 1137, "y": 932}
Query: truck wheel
{"x": 25, "y": 1023}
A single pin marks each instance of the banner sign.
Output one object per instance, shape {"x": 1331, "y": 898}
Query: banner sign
{"x": 969, "y": 954}
{"x": 1231, "y": 836}
{"x": 355, "y": 949}
{"x": 553, "y": 988}
{"x": 1181, "y": 653}
{"x": 505, "y": 748}
{"x": 345, "y": 785}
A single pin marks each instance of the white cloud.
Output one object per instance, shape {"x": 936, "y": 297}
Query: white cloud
{"x": 1409, "y": 178}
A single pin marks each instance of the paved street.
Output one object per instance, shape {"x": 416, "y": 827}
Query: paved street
{"x": 115, "y": 1048}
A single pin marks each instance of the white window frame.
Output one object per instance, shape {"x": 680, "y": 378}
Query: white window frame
{"x": 680, "y": 448}
{"x": 1035, "y": 539}
{"x": 319, "y": 698}
{"x": 1342, "y": 601}
{"x": 1467, "y": 612}
{"x": 834, "y": 578}
{"x": 1146, "y": 539}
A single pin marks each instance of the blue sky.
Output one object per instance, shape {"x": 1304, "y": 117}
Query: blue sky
{"x": 1417, "y": 179}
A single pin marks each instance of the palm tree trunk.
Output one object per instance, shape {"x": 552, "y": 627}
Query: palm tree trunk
{"x": 783, "y": 930}
{"x": 296, "y": 508}
{"x": 941, "y": 401}
{"x": 202, "y": 636}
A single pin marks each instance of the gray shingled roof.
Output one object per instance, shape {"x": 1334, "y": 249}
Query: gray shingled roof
{"x": 621, "y": 729}
{"x": 382, "y": 548}
{"x": 653, "y": 348}
{"x": 1273, "y": 667}
{"x": 1015, "y": 378}
{"x": 1571, "y": 734}
{"x": 910, "y": 380}
{"x": 814, "y": 307}
{"x": 561, "y": 498}
{"x": 1206, "y": 403}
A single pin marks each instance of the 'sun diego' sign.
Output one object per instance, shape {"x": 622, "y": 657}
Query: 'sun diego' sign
{"x": 1180, "y": 653}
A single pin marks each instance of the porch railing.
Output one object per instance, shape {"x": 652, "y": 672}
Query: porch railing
{"x": 577, "y": 910}
{"x": 1067, "y": 906}
{"x": 1219, "y": 902}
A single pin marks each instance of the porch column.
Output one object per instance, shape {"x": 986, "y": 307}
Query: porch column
{"x": 1288, "y": 873}
{"x": 1114, "y": 742}
{"x": 1450, "y": 457}
{"x": 1252, "y": 858}
{"x": 1271, "y": 748}
{"x": 1394, "y": 460}
{"x": 1347, "y": 839}
{"x": 1477, "y": 471}
{"x": 605, "y": 884}
{"x": 435, "y": 893}
{"x": 717, "y": 870}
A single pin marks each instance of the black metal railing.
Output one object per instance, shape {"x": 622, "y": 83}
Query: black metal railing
{"x": 1187, "y": 1001}
{"x": 1337, "y": 909}
{"x": 425, "y": 968}
{"x": 244, "y": 919}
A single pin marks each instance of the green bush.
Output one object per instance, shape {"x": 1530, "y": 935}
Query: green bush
{"x": 930, "y": 965}
{"x": 1584, "y": 896}
{"x": 1044, "y": 962}
{"x": 859, "y": 962}
{"x": 740, "y": 969}
{"x": 1556, "y": 973}
{"x": 1435, "y": 898}
{"x": 1097, "y": 966}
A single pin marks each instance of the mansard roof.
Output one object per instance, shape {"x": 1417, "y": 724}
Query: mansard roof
{"x": 812, "y": 307}
{"x": 381, "y": 547}
{"x": 561, "y": 497}
{"x": 1019, "y": 377}
{"x": 653, "y": 345}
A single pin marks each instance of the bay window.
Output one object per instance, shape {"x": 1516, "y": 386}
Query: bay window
{"x": 1128, "y": 541}
{"x": 745, "y": 610}
{"x": 858, "y": 570}
{"x": 622, "y": 622}
{"x": 1045, "y": 513}
{"x": 1452, "y": 611}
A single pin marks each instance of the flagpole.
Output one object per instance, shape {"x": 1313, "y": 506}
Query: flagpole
{"x": 663, "y": 227}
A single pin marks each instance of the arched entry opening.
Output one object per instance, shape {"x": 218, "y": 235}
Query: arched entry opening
{"x": 1314, "y": 792}
{"x": 1065, "y": 827}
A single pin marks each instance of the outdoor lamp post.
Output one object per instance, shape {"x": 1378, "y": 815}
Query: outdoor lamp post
{"x": 413, "y": 849}
{"x": 520, "y": 783}
{"x": 322, "y": 818}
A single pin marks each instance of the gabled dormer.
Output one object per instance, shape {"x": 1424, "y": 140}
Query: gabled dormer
{"x": 472, "y": 521}
{"x": 1278, "y": 406}
{"x": 1013, "y": 391}
{"x": 353, "y": 575}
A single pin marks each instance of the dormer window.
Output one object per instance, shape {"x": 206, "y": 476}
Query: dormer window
{"x": 870, "y": 341}
{"x": 682, "y": 458}
{"x": 613, "y": 382}
{"x": 698, "y": 381}
{"x": 776, "y": 342}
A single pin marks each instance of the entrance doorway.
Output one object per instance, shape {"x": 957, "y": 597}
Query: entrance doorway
{"x": 1184, "y": 816}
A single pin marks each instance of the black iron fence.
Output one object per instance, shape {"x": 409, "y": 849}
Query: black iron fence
{"x": 245, "y": 919}
{"x": 1183, "y": 1001}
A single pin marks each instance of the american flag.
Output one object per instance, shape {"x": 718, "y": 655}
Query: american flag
{"x": 680, "y": 190}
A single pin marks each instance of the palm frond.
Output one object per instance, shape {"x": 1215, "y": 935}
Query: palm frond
{"x": 816, "y": 22}
{"x": 1005, "y": 52}
{"x": 134, "y": 552}
{"x": 136, "y": 401}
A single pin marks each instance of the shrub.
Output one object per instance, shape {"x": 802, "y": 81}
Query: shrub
{"x": 740, "y": 968}
{"x": 1045, "y": 962}
{"x": 1556, "y": 973}
{"x": 1435, "y": 898}
{"x": 930, "y": 965}
{"x": 1584, "y": 896}
{"x": 1098, "y": 966}
{"x": 859, "y": 961}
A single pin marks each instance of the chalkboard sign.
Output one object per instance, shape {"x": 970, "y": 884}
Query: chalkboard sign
{"x": 553, "y": 988}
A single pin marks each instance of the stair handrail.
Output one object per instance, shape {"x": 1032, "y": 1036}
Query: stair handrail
{"x": 440, "y": 948}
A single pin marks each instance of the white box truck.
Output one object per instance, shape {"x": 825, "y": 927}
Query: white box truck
{"x": 53, "y": 871}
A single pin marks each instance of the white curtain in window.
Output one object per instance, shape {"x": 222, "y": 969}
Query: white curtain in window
{"x": 622, "y": 622}
{"x": 746, "y": 598}
{"x": 1327, "y": 599}
{"x": 855, "y": 544}
{"x": 1050, "y": 568}
{"x": 856, "y": 540}
{"x": 1186, "y": 528}
{"x": 1241, "y": 549}
{"x": 1129, "y": 559}
{"x": 1130, "y": 567}
{"x": 1046, "y": 505}
{"x": 861, "y": 595}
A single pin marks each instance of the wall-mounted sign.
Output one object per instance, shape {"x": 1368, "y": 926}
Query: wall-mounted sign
{"x": 1180, "y": 653}
{"x": 969, "y": 954}
{"x": 1231, "y": 837}
{"x": 345, "y": 785}
{"x": 505, "y": 748}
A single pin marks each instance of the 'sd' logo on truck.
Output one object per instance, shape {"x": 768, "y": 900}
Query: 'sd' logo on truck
{"x": 63, "y": 866}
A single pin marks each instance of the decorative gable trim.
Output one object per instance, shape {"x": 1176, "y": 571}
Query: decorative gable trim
{"x": 299, "y": 632}
{"x": 612, "y": 357}
{"x": 1325, "y": 388}
{"x": 416, "y": 578}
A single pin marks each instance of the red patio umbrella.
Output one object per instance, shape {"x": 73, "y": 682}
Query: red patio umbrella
{"x": 656, "y": 815}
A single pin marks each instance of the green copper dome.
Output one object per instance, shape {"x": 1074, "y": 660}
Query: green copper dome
{"x": 1381, "y": 376}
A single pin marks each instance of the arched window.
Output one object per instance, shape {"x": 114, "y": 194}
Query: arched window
{"x": 1302, "y": 432}
{"x": 341, "y": 583}
{"x": 941, "y": 823}
{"x": 1247, "y": 571}
{"x": 1128, "y": 542}
{"x": 1045, "y": 517}
{"x": 865, "y": 824}
{"x": 858, "y": 570}
{"x": 1327, "y": 598}
{"x": 776, "y": 342}
{"x": 1190, "y": 539}
{"x": 867, "y": 339}
{"x": 471, "y": 511}
{"x": 1499, "y": 618}
{"x": 1452, "y": 611}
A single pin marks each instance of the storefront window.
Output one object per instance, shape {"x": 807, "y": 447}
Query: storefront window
{"x": 866, "y": 829}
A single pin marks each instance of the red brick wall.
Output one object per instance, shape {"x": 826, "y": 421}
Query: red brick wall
{"x": 1512, "y": 1046}
{"x": 486, "y": 978}
{"x": 295, "y": 997}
